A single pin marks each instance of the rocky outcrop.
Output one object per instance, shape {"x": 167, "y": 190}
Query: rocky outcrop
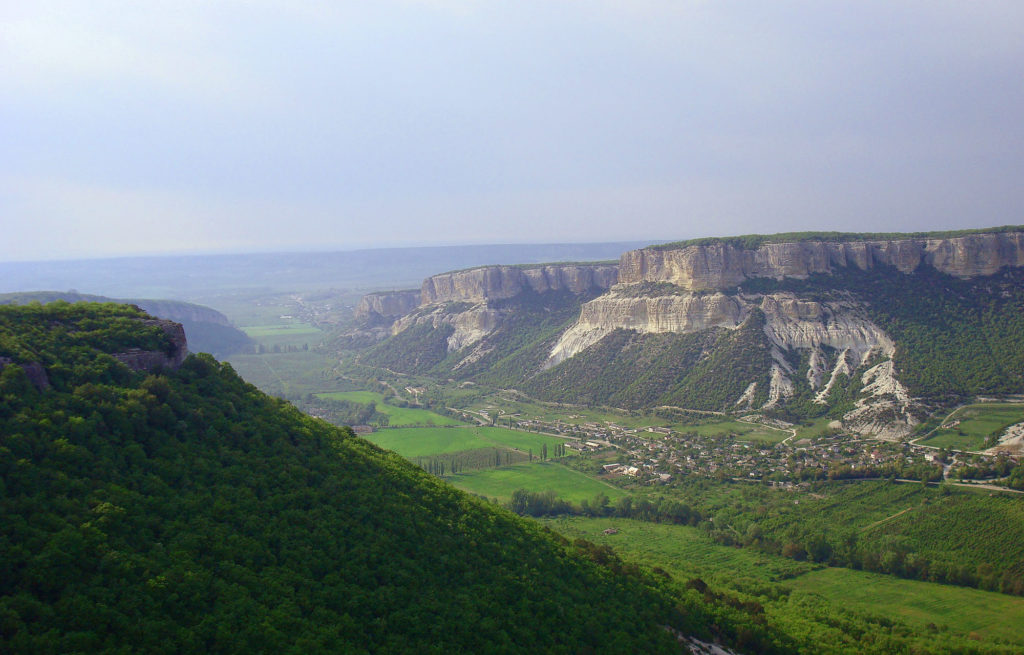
{"x": 723, "y": 265}
{"x": 498, "y": 282}
{"x": 34, "y": 371}
{"x": 470, "y": 325}
{"x": 674, "y": 313}
{"x": 387, "y": 305}
{"x": 134, "y": 358}
{"x": 790, "y": 322}
{"x": 154, "y": 360}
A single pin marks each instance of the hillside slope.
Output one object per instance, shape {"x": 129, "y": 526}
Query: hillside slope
{"x": 184, "y": 511}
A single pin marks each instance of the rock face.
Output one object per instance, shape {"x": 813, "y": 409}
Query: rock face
{"x": 387, "y": 305}
{"x": 154, "y": 360}
{"x": 722, "y": 266}
{"x": 497, "y": 282}
{"x": 34, "y": 371}
{"x": 791, "y": 323}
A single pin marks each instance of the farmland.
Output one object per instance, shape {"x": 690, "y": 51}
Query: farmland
{"x": 567, "y": 483}
{"x": 290, "y": 334}
{"x": 968, "y": 428}
{"x": 397, "y": 416}
{"x": 742, "y": 430}
{"x": 418, "y": 442}
{"x": 788, "y": 588}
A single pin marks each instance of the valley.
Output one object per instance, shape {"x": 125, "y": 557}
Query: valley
{"x": 785, "y": 448}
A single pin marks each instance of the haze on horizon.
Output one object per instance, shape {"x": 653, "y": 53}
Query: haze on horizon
{"x": 230, "y": 126}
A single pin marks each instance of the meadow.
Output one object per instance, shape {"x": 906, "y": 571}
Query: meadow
{"x": 288, "y": 374}
{"x": 289, "y": 334}
{"x": 567, "y": 483}
{"x": 970, "y": 611}
{"x": 786, "y": 587}
{"x": 743, "y": 431}
{"x": 420, "y": 442}
{"x": 397, "y": 416}
{"x": 976, "y": 423}
{"x": 685, "y": 552}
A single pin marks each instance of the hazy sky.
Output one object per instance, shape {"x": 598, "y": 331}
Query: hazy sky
{"x": 146, "y": 127}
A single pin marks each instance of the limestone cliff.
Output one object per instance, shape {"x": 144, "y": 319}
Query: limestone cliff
{"x": 839, "y": 326}
{"x": 499, "y": 282}
{"x": 387, "y": 305}
{"x": 464, "y": 299}
{"x": 724, "y": 265}
{"x": 688, "y": 324}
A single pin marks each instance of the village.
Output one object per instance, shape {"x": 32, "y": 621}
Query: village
{"x": 659, "y": 455}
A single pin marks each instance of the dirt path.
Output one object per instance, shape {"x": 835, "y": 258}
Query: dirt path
{"x": 791, "y": 431}
{"x": 888, "y": 518}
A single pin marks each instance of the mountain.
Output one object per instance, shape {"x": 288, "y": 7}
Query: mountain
{"x": 164, "y": 505}
{"x": 869, "y": 329}
{"x": 207, "y": 330}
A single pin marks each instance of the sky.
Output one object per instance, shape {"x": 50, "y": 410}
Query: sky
{"x": 253, "y": 126}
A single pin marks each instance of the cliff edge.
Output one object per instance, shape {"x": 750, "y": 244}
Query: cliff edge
{"x": 723, "y": 265}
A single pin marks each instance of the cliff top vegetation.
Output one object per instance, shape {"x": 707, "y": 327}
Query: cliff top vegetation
{"x": 752, "y": 241}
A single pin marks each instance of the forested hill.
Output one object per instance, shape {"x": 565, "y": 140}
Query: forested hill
{"x": 208, "y": 330}
{"x": 185, "y": 511}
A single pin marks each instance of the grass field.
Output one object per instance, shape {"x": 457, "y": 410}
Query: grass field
{"x": 743, "y": 430}
{"x": 685, "y": 552}
{"x": 284, "y": 374}
{"x": 397, "y": 416}
{"x": 419, "y": 442}
{"x": 977, "y": 422}
{"x": 984, "y": 613}
{"x": 567, "y": 483}
{"x": 291, "y": 334}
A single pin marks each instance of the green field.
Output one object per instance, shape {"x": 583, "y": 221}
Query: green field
{"x": 683, "y": 551}
{"x": 419, "y": 442}
{"x": 397, "y": 416}
{"x": 816, "y": 428}
{"x": 686, "y": 552}
{"x": 977, "y": 423}
{"x": 567, "y": 483}
{"x": 284, "y": 374}
{"x": 984, "y": 613}
{"x": 290, "y": 334}
{"x": 743, "y": 430}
